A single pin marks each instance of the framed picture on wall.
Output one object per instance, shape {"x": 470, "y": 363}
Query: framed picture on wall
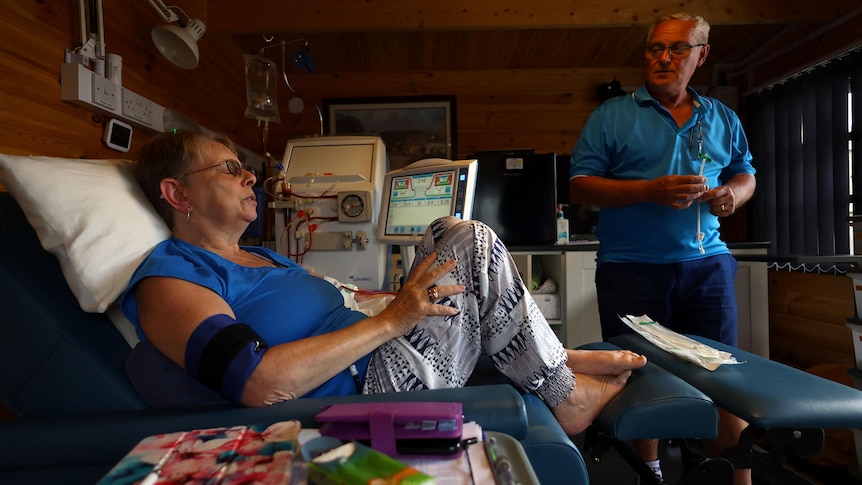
{"x": 413, "y": 128}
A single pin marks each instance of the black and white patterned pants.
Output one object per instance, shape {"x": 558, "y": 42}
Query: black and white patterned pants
{"x": 497, "y": 317}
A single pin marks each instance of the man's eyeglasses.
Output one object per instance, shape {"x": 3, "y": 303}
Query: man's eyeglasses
{"x": 677, "y": 51}
{"x": 234, "y": 168}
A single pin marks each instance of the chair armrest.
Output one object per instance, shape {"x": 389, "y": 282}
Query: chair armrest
{"x": 553, "y": 455}
{"x": 104, "y": 439}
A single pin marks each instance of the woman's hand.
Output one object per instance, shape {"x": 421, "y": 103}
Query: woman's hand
{"x": 414, "y": 303}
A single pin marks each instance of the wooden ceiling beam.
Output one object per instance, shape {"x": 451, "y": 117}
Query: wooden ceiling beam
{"x": 307, "y": 16}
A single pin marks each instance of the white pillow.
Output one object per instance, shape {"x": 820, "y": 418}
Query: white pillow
{"x": 92, "y": 215}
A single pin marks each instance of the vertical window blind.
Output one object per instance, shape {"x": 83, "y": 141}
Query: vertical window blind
{"x": 803, "y": 133}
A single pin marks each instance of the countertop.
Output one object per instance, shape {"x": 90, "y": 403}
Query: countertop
{"x": 587, "y": 245}
{"x": 592, "y": 245}
{"x": 802, "y": 259}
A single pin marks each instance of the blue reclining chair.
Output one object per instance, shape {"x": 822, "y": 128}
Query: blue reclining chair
{"x": 63, "y": 375}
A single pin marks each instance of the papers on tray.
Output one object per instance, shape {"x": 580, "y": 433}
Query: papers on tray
{"x": 470, "y": 467}
{"x": 691, "y": 350}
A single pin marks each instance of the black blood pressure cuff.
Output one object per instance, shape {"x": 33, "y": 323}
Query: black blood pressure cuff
{"x": 222, "y": 353}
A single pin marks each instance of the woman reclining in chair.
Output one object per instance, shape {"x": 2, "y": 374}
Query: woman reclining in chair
{"x": 258, "y": 328}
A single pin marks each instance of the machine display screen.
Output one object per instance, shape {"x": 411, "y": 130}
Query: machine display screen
{"x": 415, "y": 197}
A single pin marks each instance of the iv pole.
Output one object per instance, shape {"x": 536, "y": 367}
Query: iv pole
{"x": 283, "y": 45}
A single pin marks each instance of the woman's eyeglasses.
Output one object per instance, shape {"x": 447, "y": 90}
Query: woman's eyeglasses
{"x": 234, "y": 168}
{"x": 677, "y": 51}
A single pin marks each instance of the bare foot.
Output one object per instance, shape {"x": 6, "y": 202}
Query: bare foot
{"x": 592, "y": 393}
{"x": 604, "y": 362}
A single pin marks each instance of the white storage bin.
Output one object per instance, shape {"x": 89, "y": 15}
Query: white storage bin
{"x": 856, "y": 329}
{"x": 857, "y": 289}
{"x": 549, "y": 304}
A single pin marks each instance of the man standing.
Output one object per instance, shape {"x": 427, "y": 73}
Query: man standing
{"x": 663, "y": 164}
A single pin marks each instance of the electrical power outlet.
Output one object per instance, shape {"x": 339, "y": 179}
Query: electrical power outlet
{"x": 90, "y": 90}
{"x": 106, "y": 93}
{"x": 137, "y": 107}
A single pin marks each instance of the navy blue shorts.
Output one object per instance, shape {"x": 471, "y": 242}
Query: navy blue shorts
{"x": 692, "y": 297}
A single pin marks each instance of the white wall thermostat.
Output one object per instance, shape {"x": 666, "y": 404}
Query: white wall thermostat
{"x": 118, "y": 135}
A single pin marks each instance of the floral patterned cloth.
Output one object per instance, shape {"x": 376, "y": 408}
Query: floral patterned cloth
{"x": 240, "y": 454}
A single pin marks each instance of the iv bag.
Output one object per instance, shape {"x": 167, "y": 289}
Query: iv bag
{"x": 261, "y": 83}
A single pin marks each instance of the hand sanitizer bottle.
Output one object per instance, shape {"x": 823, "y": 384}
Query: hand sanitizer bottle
{"x": 562, "y": 226}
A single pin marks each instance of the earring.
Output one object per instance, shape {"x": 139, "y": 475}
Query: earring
{"x": 188, "y": 214}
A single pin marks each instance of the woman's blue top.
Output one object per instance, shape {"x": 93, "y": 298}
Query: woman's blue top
{"x": 281, "y": 304}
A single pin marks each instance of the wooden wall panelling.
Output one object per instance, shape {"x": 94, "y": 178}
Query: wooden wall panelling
{"x": 810, "y": 49}
{"x": 34, "y": 120}
{"x": 336, "y": 15}
{"x": 807, "y": 316}
{"x": 543, "y": 109}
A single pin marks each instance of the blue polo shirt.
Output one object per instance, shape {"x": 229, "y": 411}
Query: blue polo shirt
{"x": 633, "y": 137}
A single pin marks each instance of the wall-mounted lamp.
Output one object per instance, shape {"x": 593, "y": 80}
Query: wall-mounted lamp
{"x": 178, "y": 44}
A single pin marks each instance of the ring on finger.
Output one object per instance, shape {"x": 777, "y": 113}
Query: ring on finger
{"x": 433, "y": 294}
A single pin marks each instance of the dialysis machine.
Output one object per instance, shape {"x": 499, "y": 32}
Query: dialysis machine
{"x": 326, "y": 200}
